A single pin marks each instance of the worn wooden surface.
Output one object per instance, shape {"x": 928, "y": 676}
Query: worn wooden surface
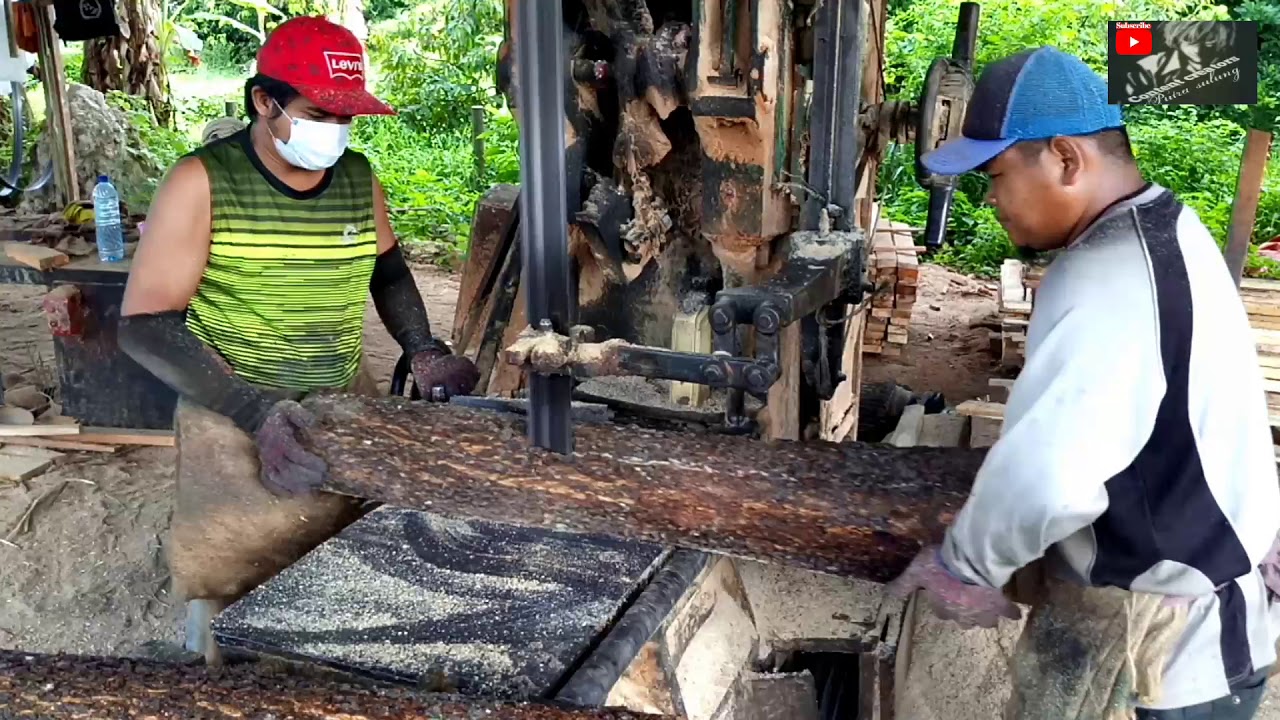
{"x": 64, "y": 687}
{"x": 850, "y": 509}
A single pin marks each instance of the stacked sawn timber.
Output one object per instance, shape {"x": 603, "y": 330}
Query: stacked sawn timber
{"x": 1018, "y": 284}
{"x": 895, "y": 270}
{"x": 1262, "y": 302}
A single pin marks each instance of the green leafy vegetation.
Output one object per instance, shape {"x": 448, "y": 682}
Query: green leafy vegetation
{"x": 1194, "y": 151}
{"x": 434, "y": 60}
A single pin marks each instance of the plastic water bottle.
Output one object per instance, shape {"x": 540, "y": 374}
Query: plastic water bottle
{"x": 106, "y": 215}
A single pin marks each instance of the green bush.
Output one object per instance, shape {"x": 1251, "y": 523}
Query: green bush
{"x": 437, "y": 60}
{"x": 1194, "y": 152}
{"x": 430, "y": 179}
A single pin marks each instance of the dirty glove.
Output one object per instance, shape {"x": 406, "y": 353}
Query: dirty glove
{"x": 950, "y": 597}
{"x": 431, "y": 369}
{"x": 288, "y": 469}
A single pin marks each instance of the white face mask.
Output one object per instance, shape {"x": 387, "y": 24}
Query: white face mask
{"x": 313, "y": 145}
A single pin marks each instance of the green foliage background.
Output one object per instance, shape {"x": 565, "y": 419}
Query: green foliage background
{"x": 1194, "y": 151}
{"x": 434, "y": 60}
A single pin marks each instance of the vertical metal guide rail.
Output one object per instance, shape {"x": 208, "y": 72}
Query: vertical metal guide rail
{"x": 544, "y": 228}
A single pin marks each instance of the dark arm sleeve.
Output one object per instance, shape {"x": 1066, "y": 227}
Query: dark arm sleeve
{"x": 400, "y": 305}
{"x": 163, "y": 344}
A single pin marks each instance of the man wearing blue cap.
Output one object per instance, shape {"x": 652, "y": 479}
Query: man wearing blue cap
{"x": 1135, "y": 458}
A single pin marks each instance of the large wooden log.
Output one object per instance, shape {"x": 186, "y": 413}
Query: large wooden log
{"x": 65, "y": 687}
{"x": 849, "y": 509}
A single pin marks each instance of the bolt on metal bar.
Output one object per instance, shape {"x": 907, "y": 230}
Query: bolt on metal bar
{"x": 540, "y": 78}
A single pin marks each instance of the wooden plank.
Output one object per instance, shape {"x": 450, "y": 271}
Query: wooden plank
{"x": 691, "y": 332}
{"x": 507, "y": 379}
{"x": 852, "y": 509}
{"x": 1244, "y": 209}
{"x": 983, "y": 432}
{"x": 121, "y": 436}
{"x": 839, "y": 415}
{"x": 60, "y": 444}
{"x": 943, "y": 430}
{"x": 907, "y": 433}
{"x": 1011, "y": 288}
{"x": 35, "y": 256}
{"x": 15, "y": 431}
{"x": 784, "y": 396}
{"x": 982, "y": 409}
{"x": 57, "y": 113}
{"x": 16, "y": 468}
{"x": 60, "y": 686}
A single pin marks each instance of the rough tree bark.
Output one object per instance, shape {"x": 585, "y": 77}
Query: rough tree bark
{"x": 849, "y": 509}
{"x": 64, "y": 686}
{"x": 133, "y": 61}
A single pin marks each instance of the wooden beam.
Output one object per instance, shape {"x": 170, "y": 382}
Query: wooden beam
{"x": 47, "y": 686}
{"x": 851, "y": 509}
{"x": 53, "y": 73}
{"x": 1244, "y": 210}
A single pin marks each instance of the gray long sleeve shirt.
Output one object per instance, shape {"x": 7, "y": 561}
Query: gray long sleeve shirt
{"x": 1136, "y": 450}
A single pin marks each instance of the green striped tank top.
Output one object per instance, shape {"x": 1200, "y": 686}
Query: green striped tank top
{"x": 283, "y": 295}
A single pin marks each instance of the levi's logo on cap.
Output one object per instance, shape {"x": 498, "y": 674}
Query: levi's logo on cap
{"x": 344, "y": 65}
{"x": 1133, "y": 38}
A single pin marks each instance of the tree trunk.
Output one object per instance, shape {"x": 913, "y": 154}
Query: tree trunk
{"x": 49, "y": 686}
{"x": 133, "y": 61}
{"x": 849, "y": 509}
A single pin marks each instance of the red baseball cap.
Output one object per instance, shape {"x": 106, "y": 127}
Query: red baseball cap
{"x": 324, "y": 62}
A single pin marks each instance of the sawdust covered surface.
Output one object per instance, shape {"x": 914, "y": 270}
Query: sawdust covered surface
{"x": 848, "y": 509}
{"x": 64, "y": 687}
{"x": 473, "y": 607}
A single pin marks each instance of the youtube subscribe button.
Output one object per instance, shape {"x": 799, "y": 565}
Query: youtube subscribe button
{"x": 1133, "y": 40}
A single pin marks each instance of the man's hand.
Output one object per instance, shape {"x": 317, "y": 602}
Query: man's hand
{"x": 457, "y": 375}
{"x": 1270, "y": 567}
{"x": 951, "y": 597}
{"x": 288, "y": 469}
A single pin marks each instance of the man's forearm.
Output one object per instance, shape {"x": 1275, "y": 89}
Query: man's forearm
{"x": 400, "y": 306}
{"x": 162, "y": 343}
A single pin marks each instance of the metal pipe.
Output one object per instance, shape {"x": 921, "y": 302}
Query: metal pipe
{"x": 590, "y": 684}
{"x": 544, "y": 230}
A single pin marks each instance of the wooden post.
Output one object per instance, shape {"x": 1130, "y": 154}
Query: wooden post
{"x": 1244, "y": 211}
{"x": 477, "y": 141}
{"x": 53, "y": 74}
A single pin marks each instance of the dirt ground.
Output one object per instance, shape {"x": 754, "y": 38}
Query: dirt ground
{"x": 90, "y": 575}
{"x": 948, "y": 351}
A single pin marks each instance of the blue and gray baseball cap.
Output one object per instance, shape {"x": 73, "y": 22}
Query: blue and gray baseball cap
{"x": 1034, "y": 95}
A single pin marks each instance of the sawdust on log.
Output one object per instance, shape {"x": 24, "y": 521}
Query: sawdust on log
{"x": 848, "y": 509}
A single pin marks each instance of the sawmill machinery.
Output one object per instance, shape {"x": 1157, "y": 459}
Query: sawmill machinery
{"x": 719, "y": 160}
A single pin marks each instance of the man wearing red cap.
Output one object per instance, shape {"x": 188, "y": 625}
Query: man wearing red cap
{"x": 247, "y": 293}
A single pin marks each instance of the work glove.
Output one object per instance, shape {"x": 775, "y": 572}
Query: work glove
{"x": 288, "y": 469}
{"x": 950, "y": 597}
{"x": 433, "y": 369}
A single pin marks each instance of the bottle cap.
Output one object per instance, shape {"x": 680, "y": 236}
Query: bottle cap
{"x": 102, "y": 178}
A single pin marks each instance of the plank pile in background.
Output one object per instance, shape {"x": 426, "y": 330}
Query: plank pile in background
{"x": 1262, "y": 302}
{"x": 895, "y": 270}
{"x": 1018, "y": 284}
